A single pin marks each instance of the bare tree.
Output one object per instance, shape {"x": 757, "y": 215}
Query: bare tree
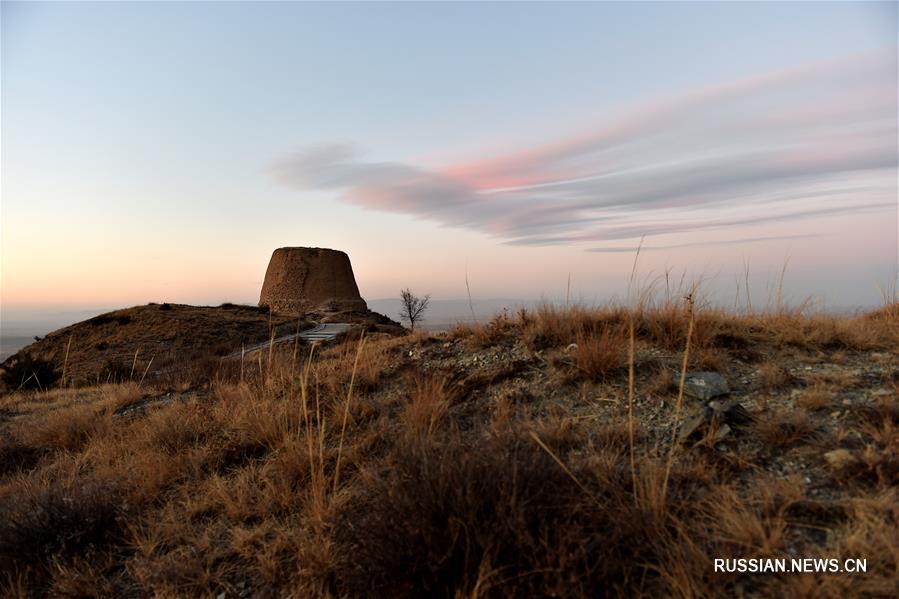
{"x": 413, "y": 307}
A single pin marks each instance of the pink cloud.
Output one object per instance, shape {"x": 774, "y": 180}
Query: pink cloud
{"x": 722, "y": 153}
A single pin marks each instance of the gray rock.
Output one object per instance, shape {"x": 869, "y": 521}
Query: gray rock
{"x": 692, "y": 425}
{"x": 730, "y": 411}
{"x": 726, "y": 414}
{"x": 705, "y": 385}
{"x": 721, "y": 432}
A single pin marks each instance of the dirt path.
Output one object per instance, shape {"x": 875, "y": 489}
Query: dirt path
{"x": 320, "y": 333}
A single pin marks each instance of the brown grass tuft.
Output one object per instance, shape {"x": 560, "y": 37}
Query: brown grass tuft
{"x": 819, "y": 396}
{"x": 772, "y": 376}
{"x": 427, "y": 404}
{"x": 784, "y": 428}
{"x": 600, "y": 352}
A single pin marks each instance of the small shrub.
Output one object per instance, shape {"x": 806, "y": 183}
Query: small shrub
{"x": 442, "y": 513}
{"x": 221, "y": 349}
{"x": 40, "y": 525}
{"x": 244, "y": 307}
{"x": 23, "y": 371}
{"x": 17, "y": 457}
{"x": 102, "y": 319}
{"x": 115, "y": 371}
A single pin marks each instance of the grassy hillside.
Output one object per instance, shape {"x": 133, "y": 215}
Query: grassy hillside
{"x": 549, "y": 453}
{"x": 154, "y": 338}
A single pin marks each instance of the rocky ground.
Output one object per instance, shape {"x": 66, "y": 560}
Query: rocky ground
{"x": 550, "y": 453}
{"x": 786, "y": 407}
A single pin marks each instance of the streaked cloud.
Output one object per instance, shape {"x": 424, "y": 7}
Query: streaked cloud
{"x": 633, "y": 249}
{"x": 817, "y": 140}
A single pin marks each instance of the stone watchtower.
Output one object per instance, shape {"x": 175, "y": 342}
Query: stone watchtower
{"x": 302, "y": 280}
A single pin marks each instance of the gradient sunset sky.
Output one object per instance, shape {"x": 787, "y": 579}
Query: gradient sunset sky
{"x": 161, "y": 151}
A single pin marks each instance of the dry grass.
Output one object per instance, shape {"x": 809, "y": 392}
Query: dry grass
{"x": 784, "y": 428}
{"x": 819, "y": 396}
{"x": 663, "y": 384}
{"x": 165, "y": 341}
{"x": 428, "y": 403}
{"x": 466, "y": 466}
{"x": 599, "y": 353}
{"x": 772, "y": 376}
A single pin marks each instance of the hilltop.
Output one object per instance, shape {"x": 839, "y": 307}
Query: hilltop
{"x": 165, "y": 342}
{"x": 104, "y": 348}
{"x": 554, "y": 452}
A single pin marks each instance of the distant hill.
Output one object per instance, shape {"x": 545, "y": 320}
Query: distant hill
{"x": 446, "y": 313}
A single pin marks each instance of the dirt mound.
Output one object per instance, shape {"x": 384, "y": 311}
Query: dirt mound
{"x": 300, "y": 279}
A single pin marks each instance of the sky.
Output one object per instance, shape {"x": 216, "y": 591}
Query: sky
{"x": 161, "y": 151}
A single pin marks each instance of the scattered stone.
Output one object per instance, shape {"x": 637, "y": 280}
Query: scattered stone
{"x": 729, "y": 411}
{"x": 705, "y": 385}
{"x": 138, "y": 407}
{"x": 692, "y": 426}
{"x": 725, "y": 414}
{"x": 721, "y": 432}
{"x": 697, "y": 424}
